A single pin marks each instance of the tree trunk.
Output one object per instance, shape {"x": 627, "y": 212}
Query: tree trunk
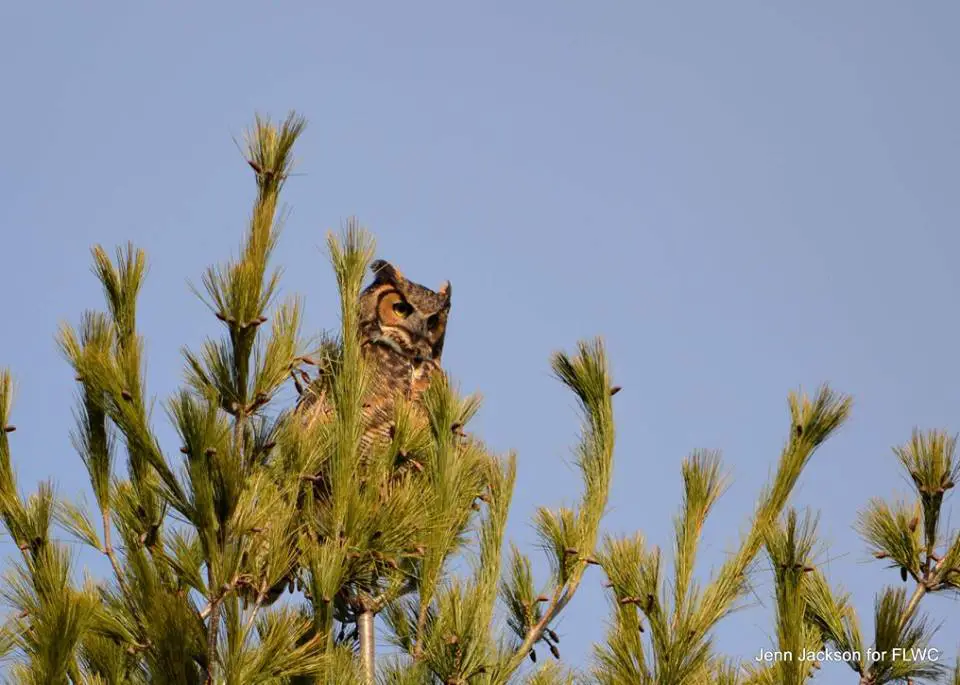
{"x": 368, "y": 653}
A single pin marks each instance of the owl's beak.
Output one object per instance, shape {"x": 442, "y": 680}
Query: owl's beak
{"x": 423, "y": 351}
{"x": 417, "y": 345}
{"x": 419, "y": 326}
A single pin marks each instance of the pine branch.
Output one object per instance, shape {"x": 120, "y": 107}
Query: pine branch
{"x": 930, "y": 461}
{"x": 586, "y": 374}
{"x": 704, "y": 483}
{"x": 896, "y": 534}
{"x": 681, "y": 646}
{"x": 832, "y": 614}
{"x": 54, "y": 616}
{"x": 790, "y": 547}
{"x": 231, "y": 373}
{"x": 813, "y": 421}
{"x": 635, "y": 581}
{"x": 500, "y": 483}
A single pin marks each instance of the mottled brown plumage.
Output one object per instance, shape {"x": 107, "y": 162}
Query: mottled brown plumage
{"x": 402, "y": 330}
{"x": 402, "y": 326}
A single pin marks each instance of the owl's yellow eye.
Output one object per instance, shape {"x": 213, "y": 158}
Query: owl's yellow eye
{"x": 402, "y": 309}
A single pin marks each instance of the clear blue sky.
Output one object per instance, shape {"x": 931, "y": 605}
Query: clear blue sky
{"x": 743, "y": 198}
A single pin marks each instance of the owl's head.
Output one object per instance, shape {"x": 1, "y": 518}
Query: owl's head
{"x": 404, "y": 315}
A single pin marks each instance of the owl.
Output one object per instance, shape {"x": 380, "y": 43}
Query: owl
{"x": 402, "y": 326}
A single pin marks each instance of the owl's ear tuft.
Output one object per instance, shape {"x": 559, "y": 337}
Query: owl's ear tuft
{"x": 385, "y": 272}
{"x": 445, "y": 291}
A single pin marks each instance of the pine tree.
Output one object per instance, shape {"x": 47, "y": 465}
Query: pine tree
{"x": 263, "y": 549}
{"x": 253, "y": 504}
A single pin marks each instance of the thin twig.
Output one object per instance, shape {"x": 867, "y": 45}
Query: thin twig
{"x": 913, "y": 604}
{"x": 261, "y": 596}
{"x": 561, "y": 596}
{"x": 213, "y": 630}
{"x": 111, "y": 555}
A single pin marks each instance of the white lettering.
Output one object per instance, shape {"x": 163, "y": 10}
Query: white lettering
{"x": 767, "y": 656}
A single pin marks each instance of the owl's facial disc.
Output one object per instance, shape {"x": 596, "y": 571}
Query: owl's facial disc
{"x": 406, "y": 329}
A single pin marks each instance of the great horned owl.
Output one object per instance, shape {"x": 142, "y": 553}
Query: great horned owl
{"x": 402, "y": 329}
{"x": 402, "y": 326}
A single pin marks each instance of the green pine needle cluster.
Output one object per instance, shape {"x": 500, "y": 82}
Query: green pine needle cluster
{"x": 663, "y": 632}
{"x": 907, "y": 537}
{"x": 264, "y": 548}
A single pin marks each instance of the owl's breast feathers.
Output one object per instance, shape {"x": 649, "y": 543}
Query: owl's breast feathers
{"x": 392, "y": 374}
